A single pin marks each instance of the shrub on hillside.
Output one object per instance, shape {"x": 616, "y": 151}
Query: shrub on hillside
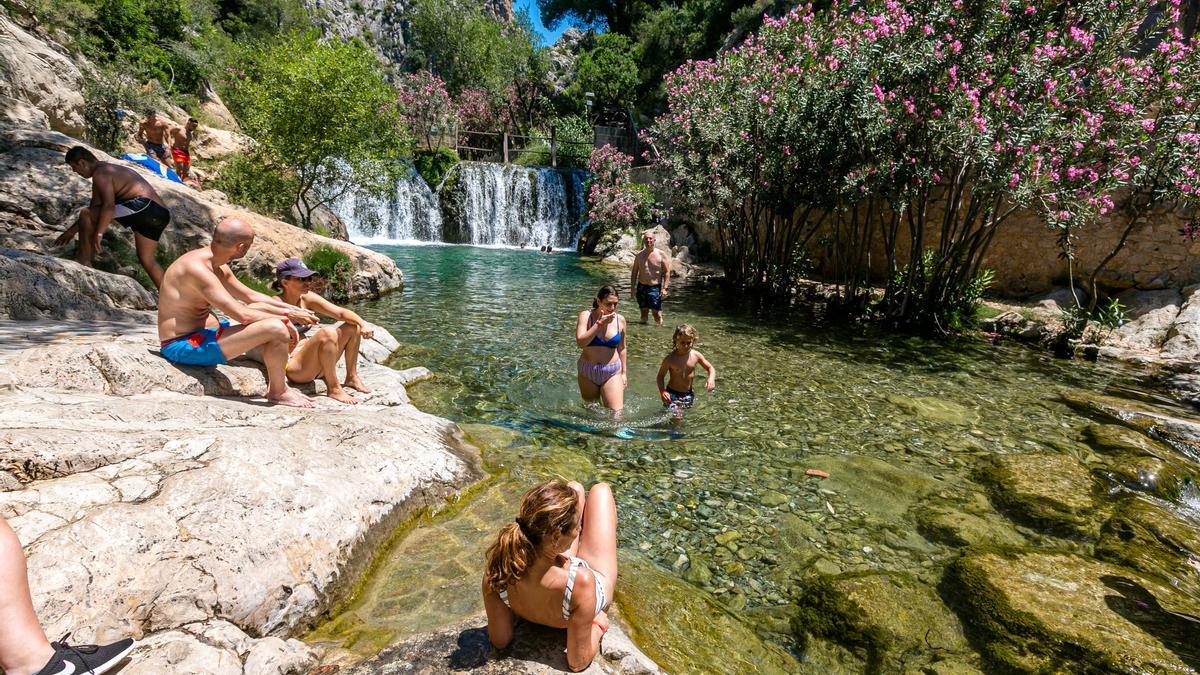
{"x": 335, "y": 268}
{"x": 433, "y": 164}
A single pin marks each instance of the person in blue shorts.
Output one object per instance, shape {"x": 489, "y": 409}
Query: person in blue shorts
{"x": 650, "y": 278}
{"x": 201, "y": 280}
{"x": 680, "y": 364}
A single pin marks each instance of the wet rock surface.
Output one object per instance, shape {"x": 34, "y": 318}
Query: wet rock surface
{"x": 1041, "y": 611}
{"x": 890, "y": 618}
{"x": 1052, "y": 491}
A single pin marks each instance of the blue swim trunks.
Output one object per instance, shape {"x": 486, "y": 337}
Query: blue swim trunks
{"x": 195, "y": 349}
{"x": 681, "y": 399}
{"x": 649, "y": 297}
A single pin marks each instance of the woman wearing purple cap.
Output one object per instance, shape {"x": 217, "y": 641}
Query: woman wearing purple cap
{"x": 317, "y": 354}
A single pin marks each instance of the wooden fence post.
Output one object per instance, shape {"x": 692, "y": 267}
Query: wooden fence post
{"x": 506, "y": 147}
{"x": 554, "y": 147}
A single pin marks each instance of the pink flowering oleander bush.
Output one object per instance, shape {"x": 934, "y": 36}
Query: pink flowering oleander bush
{"x": 425, "y": 105}
{"x": 900, "y": 127}
{"x": 616, "y": 206}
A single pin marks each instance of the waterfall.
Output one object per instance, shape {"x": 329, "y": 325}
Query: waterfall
{"x": 477, "y": 203}
{"x": 410, "y": 213}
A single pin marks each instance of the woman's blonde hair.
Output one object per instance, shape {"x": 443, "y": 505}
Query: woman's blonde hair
{"x": 547, "y": 510}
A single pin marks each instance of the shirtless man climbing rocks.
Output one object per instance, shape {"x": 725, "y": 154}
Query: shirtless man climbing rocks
{"x": 152, "y": 134}
{"x": 650, "y": 278}
{"x": 119, "y": 194}
{"x": 200, "y": 280}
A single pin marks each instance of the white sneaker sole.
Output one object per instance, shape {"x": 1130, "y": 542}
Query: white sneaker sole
{"x": 110, "y": 664}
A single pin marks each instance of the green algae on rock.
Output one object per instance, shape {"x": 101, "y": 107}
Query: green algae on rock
{"x": 1159, "y": 423}
{"x": 1155, "y": 540}
{"x": 959, "y": 528}
{"x": 1049, "y": 491}
{"x": 1119, "y": 439}
{"x": 660, "y": 608}
{"x": 892, "y": 620}
{"x": 880, "y": 488}
{"x": 1032, "y": 611}
{"x": 935, "y": 409}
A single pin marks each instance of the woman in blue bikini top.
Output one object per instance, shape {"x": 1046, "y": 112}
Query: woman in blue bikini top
{"x": 602, "y": 364}
{"x": 555, "y": 564}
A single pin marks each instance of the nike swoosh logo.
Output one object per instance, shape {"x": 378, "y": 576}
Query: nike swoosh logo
{"x": 67, "y": 669}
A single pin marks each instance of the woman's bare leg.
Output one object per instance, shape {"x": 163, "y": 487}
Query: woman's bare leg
{"x": 578, "y": 488}
{"x": 317, "y": 356}
{"x": 349, "y": 339}
{"x": 587, "y": 389}
{"x": 598, "y": 541}
{"x": 613, "y": 393}
{"x": 24, "y": 648}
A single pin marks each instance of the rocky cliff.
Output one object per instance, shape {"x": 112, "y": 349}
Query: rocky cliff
{"x": 381, "y": 22}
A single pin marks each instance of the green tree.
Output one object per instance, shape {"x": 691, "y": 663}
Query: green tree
{"x": 459, "y": 44}
{"x": 321, "y": 112}
{"x": 609, "y": 69}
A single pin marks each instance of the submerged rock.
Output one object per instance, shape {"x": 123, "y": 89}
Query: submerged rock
{"x": 959, "y": 528}
{"x": 1154, "y": 540}
{"x": 880, "y": 488}
{"x": 1058, "y": 612}
{"x": 1157, "y": 423}
{"x": 1049, "y": 491}
{"x": 894, "y": 621}
{"x": 659, "y": 608}
{"x": 935, "y": 409}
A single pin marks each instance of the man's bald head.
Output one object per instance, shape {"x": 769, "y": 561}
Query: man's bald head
{"x": 232, "y": 238}
{"x": 232, "y": 231}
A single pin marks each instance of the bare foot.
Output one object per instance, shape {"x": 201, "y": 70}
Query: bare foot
{"x": 291, "y": 398}
{"x": 356, "y": 384}
{"x": 342, "y": 395}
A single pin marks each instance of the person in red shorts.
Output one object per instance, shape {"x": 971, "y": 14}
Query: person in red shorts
{"x": 181, "y": 145}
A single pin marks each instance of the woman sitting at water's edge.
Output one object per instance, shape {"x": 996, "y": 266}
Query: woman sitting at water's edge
{"x": 318, "y": 351}
{"x": 601, "y": 334}
{"x": 556, "y": 565}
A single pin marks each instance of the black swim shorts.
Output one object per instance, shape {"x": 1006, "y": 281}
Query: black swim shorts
{"x": 143, "y": 215}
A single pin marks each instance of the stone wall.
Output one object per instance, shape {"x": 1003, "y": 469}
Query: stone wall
{"x": 1025, "y": 253}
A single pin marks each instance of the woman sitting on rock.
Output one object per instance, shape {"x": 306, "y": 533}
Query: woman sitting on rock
{"x": 556, "y": 565}
{"x": 318, "y": 350}
{"x": 600, "y": 333}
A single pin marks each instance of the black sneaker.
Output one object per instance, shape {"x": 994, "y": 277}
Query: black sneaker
{"x": 85, "y": 659}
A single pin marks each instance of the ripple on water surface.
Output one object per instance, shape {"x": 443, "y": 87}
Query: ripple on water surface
{"x": 721, "y": 503}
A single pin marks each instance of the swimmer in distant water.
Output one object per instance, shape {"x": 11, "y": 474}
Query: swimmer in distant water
{"x": 602, "y": 365}
{"x": 676, "y": 393}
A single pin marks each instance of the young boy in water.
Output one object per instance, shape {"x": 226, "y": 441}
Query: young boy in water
{"x": 676, "y": 392}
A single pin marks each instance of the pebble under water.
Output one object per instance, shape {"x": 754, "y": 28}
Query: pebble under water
{"x": 719, "y": 509}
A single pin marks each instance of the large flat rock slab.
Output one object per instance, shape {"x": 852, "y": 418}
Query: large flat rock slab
{"x": 211, "y": 528}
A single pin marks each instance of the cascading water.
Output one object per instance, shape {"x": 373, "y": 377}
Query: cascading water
{"x": 477, "y": 203}
{"x": 410, "y": 213}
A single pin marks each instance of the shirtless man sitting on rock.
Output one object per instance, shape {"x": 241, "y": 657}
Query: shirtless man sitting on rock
{"x": 190, "y": 335}
{"x": 119, "y": 194}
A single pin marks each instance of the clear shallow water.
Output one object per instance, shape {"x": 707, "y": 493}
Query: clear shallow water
{"x": 721, "y": 499}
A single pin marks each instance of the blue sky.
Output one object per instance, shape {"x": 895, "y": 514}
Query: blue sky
{"x": 548, "y": 36}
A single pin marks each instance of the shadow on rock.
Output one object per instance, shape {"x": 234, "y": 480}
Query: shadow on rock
{"x": 1177, "y": 631}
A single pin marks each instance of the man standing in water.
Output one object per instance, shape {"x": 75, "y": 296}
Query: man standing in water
{"x": 119, "y": 194}
{"x": 650, "y": 278}
{"x": 152, "y": 134}
{"x": 200, "y": 280}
